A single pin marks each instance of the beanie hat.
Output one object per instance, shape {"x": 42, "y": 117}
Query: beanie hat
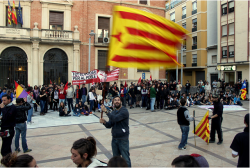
{"x": 200, "y": 159}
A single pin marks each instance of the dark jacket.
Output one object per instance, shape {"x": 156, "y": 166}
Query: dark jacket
{"x": 79, "y": 93}
{"x": 9, "y": 117}
{"x": 86, "y": 91}
{"x": 218, "y": 109}
{"x": 21, "y": 116}
{"x": 119, "y": 121}
{"x": 181, "y": 119}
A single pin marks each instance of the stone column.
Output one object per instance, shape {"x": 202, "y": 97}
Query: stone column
{"x": 35, "y": 57}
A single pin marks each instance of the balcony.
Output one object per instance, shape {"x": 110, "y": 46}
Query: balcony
{"x": 194, "y": 47}
{"x": 194, "y": 29}
{"x": 183, "y": 16}
{"x": 194, "y": 12}
{"x": 194, "y": 64}
{"x": 20, "y": 34}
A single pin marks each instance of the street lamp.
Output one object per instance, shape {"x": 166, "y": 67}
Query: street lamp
{"x": 90, "y": 34}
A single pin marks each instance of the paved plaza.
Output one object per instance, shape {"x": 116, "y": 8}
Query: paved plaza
{"x": 154, "y": 138}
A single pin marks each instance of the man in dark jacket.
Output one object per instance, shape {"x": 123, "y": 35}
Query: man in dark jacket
{"x": 216, "y": 121}
{"x": 119, "y": 122}
{"x": 8, "y": 111}
{"x": 131, "y": 94}
{"x": 183, "y": 119}
{"x": 84, "y": 93}
{"x": 21, "y": 126}
{"x": 240, "y": 145}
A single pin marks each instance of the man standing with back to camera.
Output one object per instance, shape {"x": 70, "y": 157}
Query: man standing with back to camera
{"x": 118, "y": 121}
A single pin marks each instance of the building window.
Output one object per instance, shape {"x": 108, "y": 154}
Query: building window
{"x": 194, "y": 58}
{"x": 224, "y": 30}
{"x": 231, "y": 51}
{"x": 18, "y": 25}
{"x": 184, "y": 59}
{"x": 184, "y": 25}
{"x": 103, "y": 28}
{"x": 184, "y": 10}
{"x": 55, "y": 20}
{"x": 172, "y": 16}
{"x": 230, "y": 6}
{"x": 214, "y": 59}
{"x": 195, "y": 41}
{"x": 102, "y": 59}
{"x": 224, "y": 52}
{"x": 194, "y": 5}
{"x": 194, "y": 25}
{"x": 231, "y": 29}
{"x": 224, "y": 9}
{"x": 144, "y": 2}
{"x": 167, "y": 6}
{"x": 239, "y": 75}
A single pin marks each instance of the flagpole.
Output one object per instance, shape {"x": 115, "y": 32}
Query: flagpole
{"x": 194, "y": 128}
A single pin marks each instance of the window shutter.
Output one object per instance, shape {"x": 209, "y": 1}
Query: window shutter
{"x": 145, "y": 2}
{"x": 103, "y": 23}
{"x": 55, "y": 18}
{"x": 231, "y": 28}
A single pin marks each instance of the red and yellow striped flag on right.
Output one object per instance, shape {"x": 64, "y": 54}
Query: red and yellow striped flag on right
{"x": 202, "y": 129}
{"x": 143, "y": 40}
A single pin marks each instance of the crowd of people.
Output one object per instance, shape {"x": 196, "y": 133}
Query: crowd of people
{"x": 113, "y": 101}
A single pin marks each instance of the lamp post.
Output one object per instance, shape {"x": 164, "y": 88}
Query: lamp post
{"x": 90, "y": 34}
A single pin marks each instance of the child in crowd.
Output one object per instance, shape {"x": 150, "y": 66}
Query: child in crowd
{"x": 77, "y": 111}
{"x": 85, "y": 110}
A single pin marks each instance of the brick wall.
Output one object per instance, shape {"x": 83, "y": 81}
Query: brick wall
{"x": 36, "y": 14}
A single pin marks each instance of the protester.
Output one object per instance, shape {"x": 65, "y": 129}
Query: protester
{"x": 21, "y": 127}
{"x": 77, "y": 111}
{"x": 216, "y": 121}
{"x": 62, "y": 95}
{"x": 70, "y": 96}
{"x": 187, "y": 87}
{"x": 8, "y": 111}
{"x": 240, "y": 145}
{"x": 144, "y": 93}
{"x": 117, "y": 161}
{"x": 83, "y": 152}
{"x": 119, "y": 122}
{"x": 183, "y": 119}
{"x": 185, "y": 161}
{"x": 43, "y": 97}
{"x": 92, "y": 99}
{"x": 152, "y": 97}
{"x": 31, "y": 101}
{"x": 237, "y": 100}
{"x": 84, "y": 92}
{"x": 55, "y": 99}
{"x": 63, "y": 110}
{"x": 36, "y": 97}
{"x": 12, "y": 160}
{"x": 78, "y": 94}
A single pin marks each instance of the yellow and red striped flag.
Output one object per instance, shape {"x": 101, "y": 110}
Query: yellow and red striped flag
{"x": 202, "y": 129}
{"x": 14, "y": 19}
{"x": 9, "y": 13}
{"x": 143, "y": 40}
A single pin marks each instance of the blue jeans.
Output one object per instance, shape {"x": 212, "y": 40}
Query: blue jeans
{"x": 30, "y": 113}
{"x": 77, "y": 101}
{"x": 187, "y": 91}
{"x": 61, "y": 100}
{"x": 152, "y": 103}
{"x": 70, "y": 103}
{"x": 120, "y": 147}
{"x": 83, "y": 99}
{"x": 21, "y": 128}
{"x": 133, "y": 100}
{"x": 184, "y": 137}
{"x": 42, "y": 105}
{"x": 91, "y": 105}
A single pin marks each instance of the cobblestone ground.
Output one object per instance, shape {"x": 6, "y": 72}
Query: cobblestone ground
{"x": 154, "y": 138}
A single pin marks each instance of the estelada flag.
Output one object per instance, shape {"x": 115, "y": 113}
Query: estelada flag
{"x": 143, "y": 40}
{"x": 202, "y": 129}
{"x": 244, "y": 90}
{"x": 20, "y": 92}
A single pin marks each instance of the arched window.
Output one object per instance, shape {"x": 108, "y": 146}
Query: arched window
{"x": 13, "y": 67}
{"x": 55, "y": 66}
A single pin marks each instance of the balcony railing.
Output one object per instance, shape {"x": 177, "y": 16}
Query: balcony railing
{"x": 194, "y": 12}
{"x": 194, "y": 29}
{"x": 183, "y": 16}
{"x": 194, "y": 47}
{"x": 57, "y": 34}
{"x": 194, "y": 64}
